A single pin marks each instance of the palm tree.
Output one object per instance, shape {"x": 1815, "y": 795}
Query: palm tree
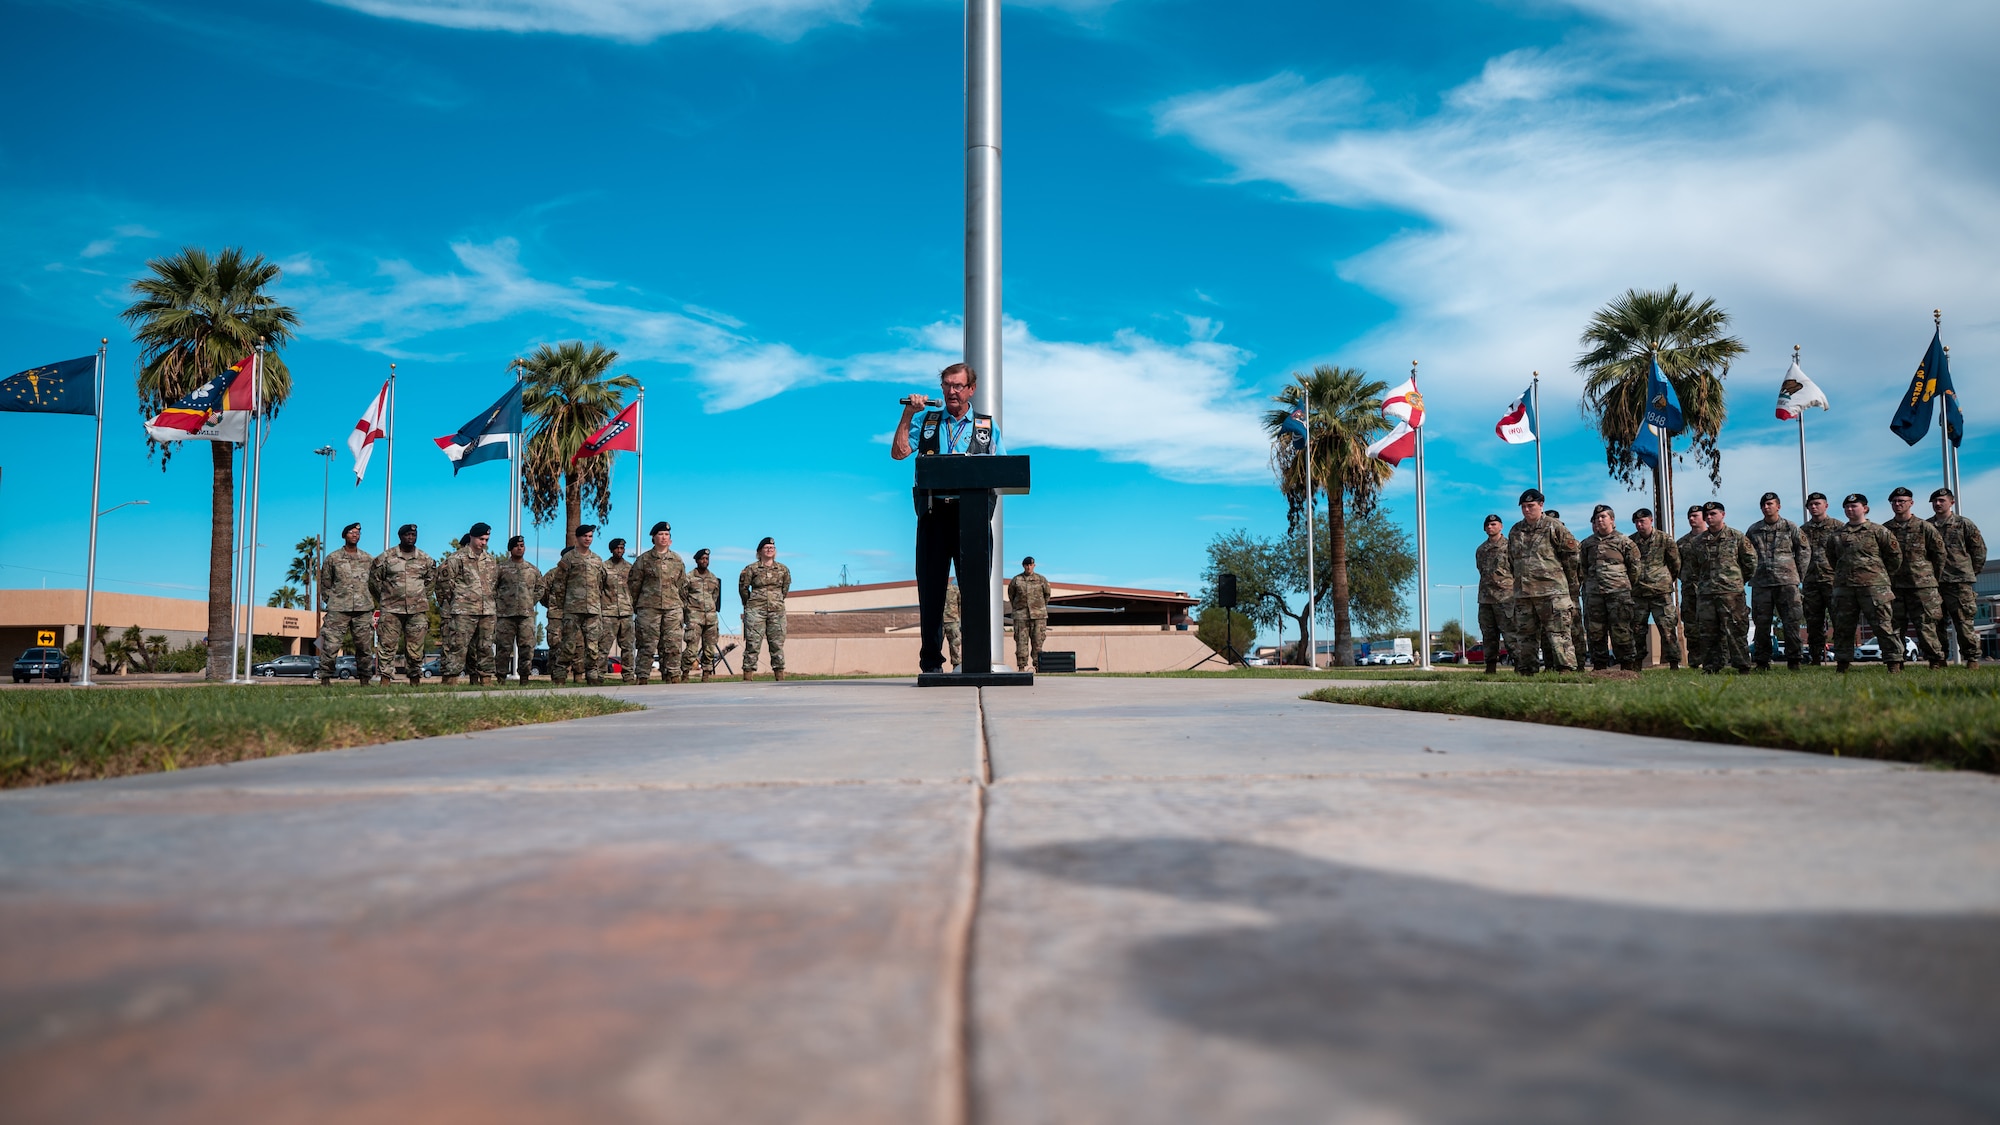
{"x": 288, "y": 597}
{"x": 305, "y": 566}
{"x": 1622, "y": 338}
{"x": 568, "y": 395}
{"x": 195, "y": 315}
{"x": 1346, "y": 415}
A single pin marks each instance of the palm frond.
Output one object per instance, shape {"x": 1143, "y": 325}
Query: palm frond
{"x": 1620, "y": 340}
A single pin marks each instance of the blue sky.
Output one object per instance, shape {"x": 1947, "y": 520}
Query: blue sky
{"x": 758, "y": 202}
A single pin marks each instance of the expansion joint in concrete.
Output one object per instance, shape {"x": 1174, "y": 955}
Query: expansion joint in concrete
{"x": 954, "y": 1095}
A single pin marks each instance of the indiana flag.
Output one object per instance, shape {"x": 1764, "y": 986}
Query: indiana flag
{"x": 69, "y": 387}
{"x": 1798, "y": 392}
{"x": 488, "y": 437}
{"x": 218, "y": 410}
{"x": 1519, "y": 426}
{"x": 621, "y": 432}
{"x": 373, "y": 424}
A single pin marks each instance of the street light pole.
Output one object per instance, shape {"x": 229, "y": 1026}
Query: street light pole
{"x": 1461, "y": 613}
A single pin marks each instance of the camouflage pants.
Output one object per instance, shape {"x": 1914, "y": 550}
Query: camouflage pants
{"x": 1960, "y": 610}
{"x": 514, "y": 640}
{"x": 1790, "y": 609}
{"x": 764, "y": 625}
{"x": 1690, "y": 624}
{"x": 1920, "y": 608}
{"x": 954, "y": 639}
{"x": 338, "y": 630}
{"x": 554, "y": 641}
{"x": 1029, "y": 635}
{"x": 1496, "y": 628}
{"x": 1724, "y": 622}
{"x": 699, "y": 639}
{"x": 582, "y": 649}
{"x": 619, "y": 632}
{"x": 1854, "y": 604}
{"x": 1544, "y": 621}
{"x": 1610, "y": 618}
{"x": 468, "y": 641}
{"x": 1656, "y": 609}
{"x": 662, "y": 637}
{"x": 401, "y": 635}
{"x": 1579, "y": 632}
{"x": 1817, "y": 598}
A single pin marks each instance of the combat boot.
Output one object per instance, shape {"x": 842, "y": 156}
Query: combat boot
{"x": 447, "y": 679}
{"x": 643, "y": 680}
{"x": 777, "y": 673}
{"x": 1896, "y": 669}
{"x": 1970, "y": 664}
{"x": 1840, "y": 666}
{"x": 1492, "y": 665}
{"x": 1763, "y": 665}
{"x": 1791, "y": 665}
{"x": 1674, "y": 665}
{"x": 748, "y": 675}
{"x": 1939, "y": 665}
{"x": 416, "y": 681}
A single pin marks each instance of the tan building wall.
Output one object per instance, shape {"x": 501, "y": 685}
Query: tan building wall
{"x": 896, "y": 654}
{"x": 24, "y": 613}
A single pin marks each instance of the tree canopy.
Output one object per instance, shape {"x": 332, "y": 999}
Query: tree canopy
{"x": 1620, "y": 342}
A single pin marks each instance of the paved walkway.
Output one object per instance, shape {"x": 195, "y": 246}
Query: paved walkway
{"x": 1094, "y": 900}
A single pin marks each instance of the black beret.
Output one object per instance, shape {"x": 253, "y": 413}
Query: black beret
{"x": 567, "y": 550}
{"x": 350, "y": 527}
{"x": 701, "y": 554}
{"x": 1643, "y": 514}
{"x": 407, "y": 529}
{"x": 1769, "y": 496}
{"x": 1594, "y": 512}
{"x": 1935, "y": 493}
{"x": 767, "y": 541}
{"x": 1532, "y": 496}
{"x": 586, "y": 529}
{"x": 616, "y": 543}
{"x": 1693, "y": 508}
{"x": 1900, "y": 491}
{"x": 659, "y": 527}
{"x": 1028, "y": 560}
{"x": 1812, "y": 496}
{"x": 1553, "y": 514}
{"x": 1491, "y": 518}
{"x": 517, "y": 540}
{"x": 1714, "y": 506}
{"x": 479, "y": 529}
{"x": 1855, "y": 498}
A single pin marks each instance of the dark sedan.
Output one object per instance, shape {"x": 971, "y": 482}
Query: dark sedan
{"x": 301, "y": 666}
{"x": 42, "y": 664}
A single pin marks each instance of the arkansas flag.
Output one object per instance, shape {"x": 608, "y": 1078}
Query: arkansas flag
{"x": 1798, "y": 392}
{"x": 1519, "y": 426}
{"x": 373, "y": 424}
{"x": 1395, "y": 445}
{"x": 621, "y": 432}
{"x": 218, "y": 410}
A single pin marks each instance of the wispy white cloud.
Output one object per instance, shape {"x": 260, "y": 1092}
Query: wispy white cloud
{"x": 630, "y": 20}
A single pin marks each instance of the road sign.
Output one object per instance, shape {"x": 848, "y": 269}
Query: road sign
{"x": 46, "y": 638}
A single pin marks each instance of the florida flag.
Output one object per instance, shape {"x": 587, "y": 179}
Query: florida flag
{"x": 218, "y": 410}
{"x": 621, "y": 432}
{"x": 1395, "y": 445}
{"x": 1405, "y": 404}
{"x": 373, "y": 424}
{"x": 1519, "y": 426}
{"x": 488, "y": 437}
{"x": 1798, "y": 392}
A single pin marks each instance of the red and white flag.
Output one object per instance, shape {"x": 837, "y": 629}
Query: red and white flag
{"x": 1405, "y": 404}
{"x": 621, "y": 432}
{"x": 1395, "y": 445}
{"x": 1798, "y": 392}
{"x": 373, "y": 424}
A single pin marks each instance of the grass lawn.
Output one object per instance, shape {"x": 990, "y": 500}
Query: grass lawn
{"x": 1404, "y": 672}
{"x": 1949, "y": 718}
{"x": 71, "y": 735}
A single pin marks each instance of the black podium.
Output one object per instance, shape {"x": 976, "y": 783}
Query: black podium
{"x": 974, "y": 482}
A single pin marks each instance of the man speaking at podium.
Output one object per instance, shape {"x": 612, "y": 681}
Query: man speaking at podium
{"x": 952, "y": 431}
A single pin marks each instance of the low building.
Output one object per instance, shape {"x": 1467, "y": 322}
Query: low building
{"x": 27, "y": 616}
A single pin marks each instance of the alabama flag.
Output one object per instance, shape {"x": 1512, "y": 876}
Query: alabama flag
{"x": 621, "y": 432}
{"x": 373, "y": 424}
{"x": 1519, "y": 426}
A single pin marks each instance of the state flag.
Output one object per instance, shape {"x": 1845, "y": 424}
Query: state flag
{"x": 218, "y": 410}
{"x": 1395, "y": 445}
{"x": 373, "y": 424}
{"x": 1912, "y": 421}
{"x": 1519, "y": 426}
{"x": 621, "y": 432}
{"x": 1798, "y": 392}
{"x": 1405, "y": 404}
{"x": 68, "y": 387}
{"x": 488, "y": 437}
{"x": 1295, "y": 425}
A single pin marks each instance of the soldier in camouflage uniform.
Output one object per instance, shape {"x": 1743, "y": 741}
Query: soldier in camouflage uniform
{"x": 657, "y": 589}
{"x": 1783, "y": 554}
{"x": 517, "y": 588}
{"x": 349, "y": 620}
{"x": 763, "y": 586}
{"x": 1538, "y": 549}
{"x": 401, "y": 581}
{"x": 1964, "y": 558}
{"x": 551, "y": 599}
{"x": 465, "y": 588}
{"x": 1611, "y": 568}
{"x": 581, "y": 584}
{"x": 954, "y": 632}
{"x": 1915, "y": 582}
{"x": 1864, "y": 555}
{"x": 1028, "y": 593}
{"x": 1496, "y": 593}
{"x": 1579, "y": 631}
{"x": 701, "y": 601}
{"x": 618, "y": 627}
{"x": 1691, "y": 584}
{"x": 1727, "y": 562}
{"x": 1816, "y": 589}
{"x": 1653, "y": 592}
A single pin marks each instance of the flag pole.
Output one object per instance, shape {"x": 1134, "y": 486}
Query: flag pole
{"x": 1312, "y": 574}
{"x": 1805, "y": 487}
{"x": 96, "y": 474}
{"x": 639, "y": 503}
{"x": 256, "y": 498}
{"x": 389, "y": 454}
{"x": 1535, "y": 392}
{"x": 1423, "y": 554}
{"x": 514, "y": 461}
{"x": 241, "y": 494}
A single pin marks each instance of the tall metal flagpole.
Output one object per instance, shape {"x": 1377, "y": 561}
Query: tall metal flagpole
{"x": 1423, "y": 552}
{"x": 1535, "y": 392}
{"x": 639, "y": 502}
{"x": 514, "y": 462}
{"x": 389, "y": 454}
{"x": 982, "y": 259}
{"x": 1309, "y": 643}
{"x": 1944, "y": 433}
{"x": 256, "y": 499}
{"x": 241, "y": 524}
{"x": 96, "y": 473}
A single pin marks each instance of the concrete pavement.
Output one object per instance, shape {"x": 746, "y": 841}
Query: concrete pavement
{"x": 1093, "y": 900}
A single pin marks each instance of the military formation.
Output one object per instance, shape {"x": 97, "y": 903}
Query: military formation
{"x": 652, "y": 611}
{"x": 1561, "y": 603}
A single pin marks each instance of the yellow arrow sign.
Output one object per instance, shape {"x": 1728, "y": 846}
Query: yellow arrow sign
{"x": 46, "y": 638}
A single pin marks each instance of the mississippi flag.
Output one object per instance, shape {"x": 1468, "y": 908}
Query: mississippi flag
{"x": 1406, "y": 405}
{"x": 373, "y": 424}
{"x": 1518, "y": 426}
{"x": 621, "y": 432}
{"x": 488, "y": 437}
{"x": 219, "y": 405}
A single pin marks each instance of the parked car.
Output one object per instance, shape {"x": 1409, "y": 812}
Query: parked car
{"x": 298, "y": 666}
{"x": 345, "y": 668}
{"x": 1477, "y": 654}
{"x": 1398, "y": 658}
{"x": 42, "y": 664}
{"x": 1447, "y": 656}
{"x": 1870, "y": 649}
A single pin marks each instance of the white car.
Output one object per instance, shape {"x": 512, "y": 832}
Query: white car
{"x": 1398, "y": 658}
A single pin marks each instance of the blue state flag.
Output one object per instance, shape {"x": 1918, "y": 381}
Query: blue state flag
{"x": 1295, "y": 425}
{"x": 1954, "y": 422}
{"x": 1913, "y": 414}
{"x": 69, "y": 387}
{"x": 490, "y": 436}
{"x": 1663, "y": 406}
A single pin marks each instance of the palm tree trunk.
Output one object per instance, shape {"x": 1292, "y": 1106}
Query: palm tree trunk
{"x": 221, "y": 557}
{"x": 1336, "y": 534}
{"x": 572, "y": 508}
